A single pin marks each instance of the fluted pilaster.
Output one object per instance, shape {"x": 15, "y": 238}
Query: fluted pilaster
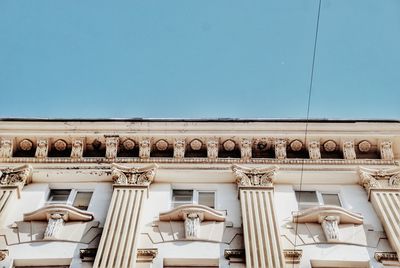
{"x": 118, "y": 243}
{"x": 261, "y": 231}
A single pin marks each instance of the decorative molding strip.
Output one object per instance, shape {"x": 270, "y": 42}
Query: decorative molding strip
{"x": 293, "y": 255}
{"x": 254, "y": 177}
{"x": 382, "y": 256}
{"x": 87, "y": 254}
{"x": 271, "y": 161}
{"x": 122, "y": 175}
{"x": 234, "y": 253}
{"x": 146, "y": 254}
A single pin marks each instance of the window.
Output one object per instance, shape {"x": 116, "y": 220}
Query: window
{"x": 308, "y": 199}
{"x": 76, "y": 198}
{"x": 184, "y": 197}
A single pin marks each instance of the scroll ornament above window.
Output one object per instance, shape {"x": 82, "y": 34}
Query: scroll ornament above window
{"x": 192, "y": 215}
{"x": 17, "y": 176}
{"x": 122, "y": 175}
{"x": 329, "y": 217}
{"x": 254, "y": 177}
{"x": 57, "y": 215}
{"x": 379, "y": 178}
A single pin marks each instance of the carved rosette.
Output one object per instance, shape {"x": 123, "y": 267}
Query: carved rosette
{"x": 144, "y": 148}
{"x": 6, "y": 148}
{"x": 42, "y": 148}
{"x": 379, "y": 178}
{"x": 280, "y": 149}
{"x": 314, "y": 150}
{"x": 212, "y": 148}
{"x": 112, "y": 143}
{"x": 179, "y": 148}
{"x": 18, "y": 176}
{"x": 77, "y": 149}
{"x": 133, "y": 176}
{"x": 245, "y": 149}
{"x": 386, "y": 150}
{"x": 349, "y": 153}
{"x": 254, "y": 177}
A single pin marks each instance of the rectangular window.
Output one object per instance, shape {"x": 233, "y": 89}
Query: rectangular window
{"x": 206, "y": 199}
{"x": 72, "y": 197}
{"x": 82, "y": 200}
{"x": 181, "y": 197}
{"x": 308, "y": 199}
{"x": 59, "y": 196}
{"x": 185, "y": 197}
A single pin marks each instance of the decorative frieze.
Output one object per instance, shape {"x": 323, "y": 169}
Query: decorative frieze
{"x": 254, "y": 177}
{"x": 349, "y": 153}
{"x": 386, "y": 150}
{"x": 280, "y": 149}
{"x": 245, "y": 148}
{"x": 6, "y": 148}
{"x": 42, "y": 148}
{"x": 212, "y": 148}
{"x": 112, "y": 143}
{"x": 179, "y": 148}
{"x": 144, "y": 148}
{"x": 314, "y": 150}
{"x": 133, "y": 176}
{"x": 77, "y": 148}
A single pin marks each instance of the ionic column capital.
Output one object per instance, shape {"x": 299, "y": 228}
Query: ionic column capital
{"x": 382, "y": 179}
{"x": 126, "y": 176}
{"x": 254, "y": 177}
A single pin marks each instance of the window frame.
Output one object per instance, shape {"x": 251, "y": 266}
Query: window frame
{"x": 195, "y": 196}
{"x": 71, "y": 196}
{"x": 319, "y": 193}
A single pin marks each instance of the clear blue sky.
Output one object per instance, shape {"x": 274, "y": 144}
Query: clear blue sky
{"x": 199, "y": 58}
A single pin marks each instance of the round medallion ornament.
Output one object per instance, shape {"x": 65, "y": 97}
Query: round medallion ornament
{"x": 364, "y": 146}
{"x": 229, "y": 145}
{"x": 296, "y": 145}
{"x": 196, "y": 144}
{"x": 330, "y": 146}
{"x": 262, "y": 145}
{"x": 60, "y": 145}
{"x": 25, "y": 145}
{"x": 128, "y": 144}
{"x": 96, "y": 144}
{"x": 162, "y": 145}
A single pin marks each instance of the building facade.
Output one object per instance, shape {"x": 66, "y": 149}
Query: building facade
{"x": 198, "y": 193}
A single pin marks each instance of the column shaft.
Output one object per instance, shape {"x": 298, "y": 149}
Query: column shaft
{"x": 261, "y": 231}
{"x": 118, "y": 242}
{"x": 387, "y": 206}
